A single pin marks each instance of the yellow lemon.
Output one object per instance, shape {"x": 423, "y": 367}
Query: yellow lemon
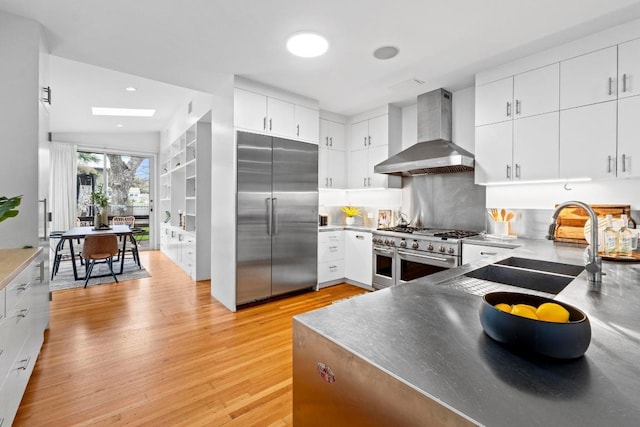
{"x": 527, "y": 306}
{"x": 504, "y": 307}
{"x": 552, "y": 312}
{"x": 523, "y": 311}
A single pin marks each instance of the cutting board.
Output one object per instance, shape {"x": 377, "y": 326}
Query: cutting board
{"x": 571, "y": 220}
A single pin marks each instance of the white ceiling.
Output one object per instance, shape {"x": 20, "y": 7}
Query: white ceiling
{"x": 191, "y": 43}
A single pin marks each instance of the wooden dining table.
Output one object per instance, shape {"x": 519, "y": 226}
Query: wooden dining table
{"x": 82, "y": 232}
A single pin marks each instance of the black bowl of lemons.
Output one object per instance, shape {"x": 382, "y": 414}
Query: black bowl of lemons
{"x": 535, "y": 324}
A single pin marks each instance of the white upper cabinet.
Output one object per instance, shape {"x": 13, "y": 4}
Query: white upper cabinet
{"x": 629, "y": 69}
{"x": 369, "y": 145}
{"x": 494, "y": 153}
{"x": 307, "y": 124}
{"x": 588, "y": 141}
{"x": 269, "y": 115}
{"x": 629, "y": 137}
{"x": 537, "y": 91}
{"x": 589, "y": 78}
{"x": 523, "y": 95}
{"x": 536, "y": 147}
{"x": 331, "y": 155}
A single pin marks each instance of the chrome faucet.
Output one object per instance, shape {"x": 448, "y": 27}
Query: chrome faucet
{"x": 594, "y": 264}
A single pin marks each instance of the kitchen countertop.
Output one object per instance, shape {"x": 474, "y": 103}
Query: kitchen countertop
{"x": 427, "y": 334}
{"x": 13, "y": 261}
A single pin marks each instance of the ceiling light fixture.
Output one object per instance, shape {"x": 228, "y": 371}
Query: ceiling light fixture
{"x": 119, "y": 125}
{"x": 125, "y": 112}
{"x": 130, "y": 89}
{"x": 307, "y": 44}
{"x": 385, "y": 52}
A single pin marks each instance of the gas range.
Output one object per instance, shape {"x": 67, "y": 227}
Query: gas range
{"x": 402, "y": 254}
{"x": 437, "y": 240}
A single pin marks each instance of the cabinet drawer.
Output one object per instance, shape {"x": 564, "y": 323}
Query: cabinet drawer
{"x": 331, "y": 251}
{"x": 330, "y": 237}
{"x": 472, "y": 253}
{"x": 20, "y": 286}
{"x": 330, "y": 270}
{"x": 18, "y": 377}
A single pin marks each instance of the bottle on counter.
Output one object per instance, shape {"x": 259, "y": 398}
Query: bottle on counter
{"x": 625, "y": 237}
{"x": 610, "y": 237}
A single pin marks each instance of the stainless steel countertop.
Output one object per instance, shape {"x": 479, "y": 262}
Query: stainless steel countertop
{"x": 428, "y": 335}
{"x": 363, "y": 228}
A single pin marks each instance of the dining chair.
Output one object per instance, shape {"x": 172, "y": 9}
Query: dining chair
{"x": 131, "y": 222}
{"x": 99, "y": 247}
{"x": 63, "y": 252}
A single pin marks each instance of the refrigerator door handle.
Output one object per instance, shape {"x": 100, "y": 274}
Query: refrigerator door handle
{"x": 269, "y": 203}
{"x": 274, "y": 207}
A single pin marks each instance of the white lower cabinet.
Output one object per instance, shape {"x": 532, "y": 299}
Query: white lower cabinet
{"x": 25, "y": 317}
{"x": 330, "y": 256}
{"x": 180, "y": 246}
{"x": 471, "y": 252}
{"x": 358, "y": 256}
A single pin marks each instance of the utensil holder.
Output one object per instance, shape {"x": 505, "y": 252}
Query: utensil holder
{"x": 501, "y": 228}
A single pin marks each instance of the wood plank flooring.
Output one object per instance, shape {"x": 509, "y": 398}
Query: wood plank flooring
{"x": 161, "y": 351}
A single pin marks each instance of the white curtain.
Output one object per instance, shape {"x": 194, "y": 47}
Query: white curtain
{"x": 62, "y": 186}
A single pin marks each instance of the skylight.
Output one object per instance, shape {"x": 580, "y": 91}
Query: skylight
{"x": 125, "y": 112}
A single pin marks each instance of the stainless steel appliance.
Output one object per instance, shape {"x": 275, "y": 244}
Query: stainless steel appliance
{"x": 277, "y": 216}
{"x": 435, "y": 153}
{"x": 402, "y": 254}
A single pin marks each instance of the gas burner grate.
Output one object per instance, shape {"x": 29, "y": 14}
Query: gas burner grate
{"x": 456, "y": 234}
{"x": 408, "y": 230}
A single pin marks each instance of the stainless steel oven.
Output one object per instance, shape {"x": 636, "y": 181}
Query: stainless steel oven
{"x": 405, "y": 254}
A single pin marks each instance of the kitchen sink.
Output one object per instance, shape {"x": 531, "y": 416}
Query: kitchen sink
{"x": 543, "y": 276}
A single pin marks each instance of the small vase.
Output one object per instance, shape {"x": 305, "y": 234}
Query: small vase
{"x": 350, "y": 220}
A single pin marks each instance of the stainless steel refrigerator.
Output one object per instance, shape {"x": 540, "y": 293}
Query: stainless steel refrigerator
{"x": 277, "y": 223}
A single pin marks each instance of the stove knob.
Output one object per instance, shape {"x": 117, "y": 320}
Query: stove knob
{"x": 386, "y": 241}
{"x": 403, "y": 244}
{"x": 392, "y": 242}
{"x": 415, "y": 245}
{"x": 442, "y": 249}
{"x": 451, "y": 250}
{"x": 430, "y": 247}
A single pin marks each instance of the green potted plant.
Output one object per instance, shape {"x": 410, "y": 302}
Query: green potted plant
{"x": 8, "y": 207}
{"x": 101, "y": 201}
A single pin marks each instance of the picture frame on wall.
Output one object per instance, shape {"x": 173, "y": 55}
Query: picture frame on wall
{"x": 384, "y": 218}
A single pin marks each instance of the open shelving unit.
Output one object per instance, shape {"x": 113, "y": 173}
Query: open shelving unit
{"x": 185, "y": 192}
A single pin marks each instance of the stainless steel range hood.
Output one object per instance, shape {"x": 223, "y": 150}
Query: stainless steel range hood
{"x": 434, "y": 153}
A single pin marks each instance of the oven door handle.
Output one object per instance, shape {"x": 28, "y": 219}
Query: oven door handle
{"x": 429, "y": 257}
{"x": 382, "y": 252}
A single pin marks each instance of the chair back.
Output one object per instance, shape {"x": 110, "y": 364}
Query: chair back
{"x": 100, "y": 246}
{"x": 126, "y": 220}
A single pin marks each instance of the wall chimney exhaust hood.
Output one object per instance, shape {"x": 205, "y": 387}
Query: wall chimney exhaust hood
{"x": 434, "y": 153}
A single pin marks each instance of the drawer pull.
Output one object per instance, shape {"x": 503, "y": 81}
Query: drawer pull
{"x": 333, "y": 268}
{"x": 22, "y": 287}
{"x": 488, "y": 253}
{"x": 23, "y": 313}
{"x": 23, "y": 364}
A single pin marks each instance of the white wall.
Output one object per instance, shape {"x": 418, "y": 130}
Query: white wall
{"x": 19, "y": 111}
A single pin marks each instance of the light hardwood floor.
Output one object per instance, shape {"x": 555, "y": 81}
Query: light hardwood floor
{"x": 161, "y": 351}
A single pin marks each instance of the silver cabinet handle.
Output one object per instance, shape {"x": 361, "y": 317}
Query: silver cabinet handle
{"x": 23, "y": 313}
{"x": 23, "y": 364}
{"x": 508, "y": 109}
{"x": 610, "y": 86}
{"x": 359, "y": 237}
{"x": 609, "y": 158}
{"x": 331, "y": 141}
{"x": 369, "y": 138}
{"x": 269, "y": 215}
{"x": 264, "y": 123}
{"x": 332, "y": 268}
{"x": 624, "y": 161}
{"x": 270, "y": 124}
{"x": 274, "y": 203}
{"x": 326, "y": 182}
{"x": 517, "y": 170}
{"x": 488, "y": 253}
{"x": 365, "y": 181}
{"x": 369, "y": 182}
{"x": 330, "y": 182}
{"x": 509, "y": 171}
{"x": 517, "y": 106}
{"x": 624, "y": 82}
{"x": 365, "y": 141}
{"x": 326, "y": 138}
{"x": 297, "y": 130}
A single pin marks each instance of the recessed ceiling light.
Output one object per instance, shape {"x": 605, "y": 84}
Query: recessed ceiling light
{"x": 119, "y": 125}
{"x": 307, "y": 44}
{"x": 130, "y": 89}
{"x": 128, "y": 112}
{"x": 385, "y": 52}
